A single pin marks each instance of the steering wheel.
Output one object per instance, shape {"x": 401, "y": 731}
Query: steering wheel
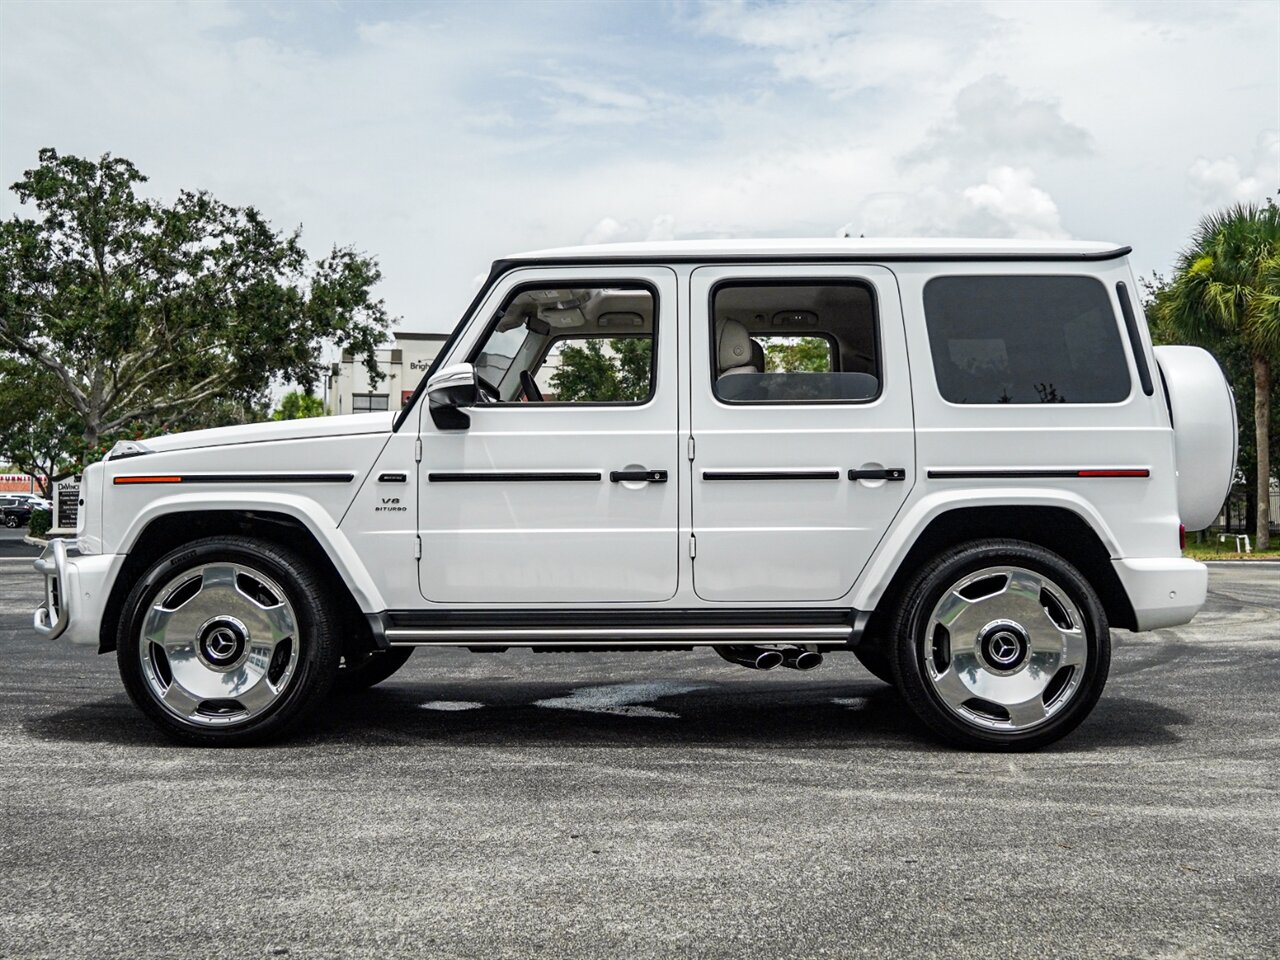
{"x": 530, "y": 387}
{"x": 491, "y": 393}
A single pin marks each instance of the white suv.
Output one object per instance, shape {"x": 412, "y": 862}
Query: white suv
{"x": 962, "y": 461}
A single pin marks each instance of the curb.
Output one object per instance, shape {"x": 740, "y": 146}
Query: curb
{"x": 1241, "y": 563}
{"x": 35, "y": 541}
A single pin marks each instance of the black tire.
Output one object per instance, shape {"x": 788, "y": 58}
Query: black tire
{"x": 912, "y": 664}
{"x": 872, "y": 657}
{"x": 359, "y": 672}
{"x": 313, "y": 653}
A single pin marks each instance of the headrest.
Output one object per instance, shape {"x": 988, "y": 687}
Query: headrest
{"x": 733, "y": 346}
{"x": 757, "y": 355}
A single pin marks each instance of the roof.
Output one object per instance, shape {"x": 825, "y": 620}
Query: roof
{"x": 829, "y": 247}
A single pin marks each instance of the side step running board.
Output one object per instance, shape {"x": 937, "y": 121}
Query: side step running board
{"x": 829, "y": 635}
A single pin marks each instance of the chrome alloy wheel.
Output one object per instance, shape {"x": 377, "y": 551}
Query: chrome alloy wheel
{"x": 219, "y": 644}
{"x": 1005, "y": 649}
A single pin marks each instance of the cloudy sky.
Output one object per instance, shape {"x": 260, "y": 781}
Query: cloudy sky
{"x": 438, "y": 137}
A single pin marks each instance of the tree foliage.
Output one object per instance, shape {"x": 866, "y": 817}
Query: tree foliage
{"x": 797, "y": 355}
{"x": 1225, "y": 295}
{"x": 296, "y": 405}
{"x": 35, "y": 436}
{"x": 589, "y": 374}
{"x": 144, "y": 312}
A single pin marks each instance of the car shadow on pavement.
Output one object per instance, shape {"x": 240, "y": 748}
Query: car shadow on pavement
{"x": 836, "y": 715}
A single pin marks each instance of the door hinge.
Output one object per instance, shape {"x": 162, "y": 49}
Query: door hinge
{"x": 417, "y": 450}
{"x": 417, "y": 548}
{"x": 692, "y": 445}
{"x": 693, "y": 547}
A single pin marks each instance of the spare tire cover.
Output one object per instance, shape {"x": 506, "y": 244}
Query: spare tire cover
{"x": 1204, "y": 431}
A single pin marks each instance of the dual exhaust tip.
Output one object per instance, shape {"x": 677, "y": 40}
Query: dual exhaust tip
{"x": 766, "y": 658}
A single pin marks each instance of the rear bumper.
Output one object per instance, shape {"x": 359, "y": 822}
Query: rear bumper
{"x": 1164, "y": 591}
{"x": 75, "y": 593}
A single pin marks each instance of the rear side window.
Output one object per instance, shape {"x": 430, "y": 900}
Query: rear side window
{"x": 1025, "y": 340}
{"x": 794, "y": 342}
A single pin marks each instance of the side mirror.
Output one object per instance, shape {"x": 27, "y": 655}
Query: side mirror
{"x": 448, "y": 391}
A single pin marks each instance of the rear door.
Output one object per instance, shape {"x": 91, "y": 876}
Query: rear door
{"x": 800, "y": 409}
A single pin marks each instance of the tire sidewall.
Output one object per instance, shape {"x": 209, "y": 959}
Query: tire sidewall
{"x": 917, "y": 607}
{"x": 316, "y": 650}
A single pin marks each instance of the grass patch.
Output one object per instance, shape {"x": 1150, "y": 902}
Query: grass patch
{"x": 1212, "y": 549}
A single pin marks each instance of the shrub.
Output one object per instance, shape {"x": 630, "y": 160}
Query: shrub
{"x": 41, "y": 520}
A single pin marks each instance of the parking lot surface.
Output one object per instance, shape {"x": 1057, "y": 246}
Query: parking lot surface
{"x": 650, "y": 805}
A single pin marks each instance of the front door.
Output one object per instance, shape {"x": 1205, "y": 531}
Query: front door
{"x": 800, "y": 407}
{"x": 567, "y": 489}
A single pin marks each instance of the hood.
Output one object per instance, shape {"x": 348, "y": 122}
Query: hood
{"x": 352, "y": 424}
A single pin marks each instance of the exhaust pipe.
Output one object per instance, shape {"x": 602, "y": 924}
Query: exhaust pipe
{"x": 757, "y": 658}
{"x": 797, "y": 658}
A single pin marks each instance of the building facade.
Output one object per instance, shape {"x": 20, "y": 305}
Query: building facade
{"x": 348, "y": 390}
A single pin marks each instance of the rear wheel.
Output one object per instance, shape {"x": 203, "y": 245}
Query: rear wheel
{"x": 1001, "y": 645}
{"x": 228, "y": 640}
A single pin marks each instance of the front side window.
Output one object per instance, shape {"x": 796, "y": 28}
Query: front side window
{"x": 1023, "y": 340}
{"x": 794, "y": 342}
{"x": 369, "y": 402}
{"x": 572, "y": 344}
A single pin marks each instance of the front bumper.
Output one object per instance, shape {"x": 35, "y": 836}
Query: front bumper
{"x": 1164, "y": 591}
{"x": 75, "y": 593}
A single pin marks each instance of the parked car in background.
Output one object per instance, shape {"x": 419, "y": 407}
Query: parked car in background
{"x": 980, "y": 471}
{"x": 37, "y": 503}
{"x": 15, "y": 512}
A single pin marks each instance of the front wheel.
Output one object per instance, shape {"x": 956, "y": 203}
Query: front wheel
{"x": 228, "y": 640}
{"x": 1001, "y": 645}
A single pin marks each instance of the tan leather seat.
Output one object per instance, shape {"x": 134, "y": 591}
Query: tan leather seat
{"x": 734, "y": 353}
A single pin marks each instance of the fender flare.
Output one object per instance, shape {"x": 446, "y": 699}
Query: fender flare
{"x": 303, "y": 509}
{"x": 885, "y": 562}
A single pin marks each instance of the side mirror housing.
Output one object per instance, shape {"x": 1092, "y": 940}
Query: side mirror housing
{"x": 449, "y": 390}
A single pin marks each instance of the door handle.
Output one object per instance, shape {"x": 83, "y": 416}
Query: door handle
{"x": 638, "y": 476}
{"x": 883, "y": 473}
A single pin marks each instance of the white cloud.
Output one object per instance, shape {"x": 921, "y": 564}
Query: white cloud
{"x": 610, "y": 230}
{"x": 1013, "y": 204}
{"x": 992, "y": 120}
{"x": 1226, "y": 179}
{"x": 845, "y": 48}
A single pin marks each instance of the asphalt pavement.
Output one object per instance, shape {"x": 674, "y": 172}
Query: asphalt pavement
{"x": 650, "y": 805}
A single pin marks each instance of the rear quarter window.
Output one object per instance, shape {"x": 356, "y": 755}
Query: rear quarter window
{"x": 1019, "y": 340}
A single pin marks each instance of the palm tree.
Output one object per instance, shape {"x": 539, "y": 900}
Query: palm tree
{"x": 1227, "y": 286}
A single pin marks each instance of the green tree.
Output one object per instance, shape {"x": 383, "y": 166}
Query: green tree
{"x": 1226, "y": 289}
{"x": 798, "y": 355}
{"x": 588, "y": 374}
{"x": 146, "y": 312}
{"x": 296, "y": 405}
{"x": 35, "y": 436}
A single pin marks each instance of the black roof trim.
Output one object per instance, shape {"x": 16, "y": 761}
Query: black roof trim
{"x": 511, "y": 263}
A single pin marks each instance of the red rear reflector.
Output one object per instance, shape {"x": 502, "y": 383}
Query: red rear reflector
{"x": 1182, "y": 536}
{"x": 147, "y": 480}
{"x": 1113, "y": 473}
